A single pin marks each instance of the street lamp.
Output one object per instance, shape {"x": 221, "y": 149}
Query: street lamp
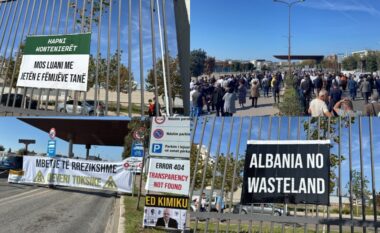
{"x": 289, "y": 4}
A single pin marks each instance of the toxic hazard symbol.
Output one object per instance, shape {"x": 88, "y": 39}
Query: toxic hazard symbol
{"x": 39, "y": 178}
{"x": 110, "y": 184}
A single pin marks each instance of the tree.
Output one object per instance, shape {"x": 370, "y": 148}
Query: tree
{"x": 350, "y": 63}
{"x": 229, "y": 173}
{"x": 133, "y": 125}
{"x": 2, "y": 148}
{"x": 197, "y": 62}
{"x": 95, "y": 13}
{"x": 371, "y": 63}
{"x": 113, "y": 73}
{"x": 332, "y": 133}
{"x": 209, "y": 65}
{"x": 175, "y": 79}
{"x": 358, "y": 188}
{"x": 236, "y": 66}
{"x": 196, "y": 169}
{"x": 291, "y": 104}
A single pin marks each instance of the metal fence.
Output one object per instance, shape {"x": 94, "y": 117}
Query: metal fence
{"x": 218, "y": 153}
{"x": 129, "y": 38}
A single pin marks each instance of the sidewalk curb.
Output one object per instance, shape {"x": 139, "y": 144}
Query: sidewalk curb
{"x": 121, "y": 226}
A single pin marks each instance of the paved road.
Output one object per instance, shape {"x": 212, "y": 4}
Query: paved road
{"x": 38, "y": 209}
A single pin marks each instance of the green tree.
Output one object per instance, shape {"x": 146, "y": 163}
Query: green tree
{"x": 358, "y": 188}
{"x": 236, "y": 66}
{"x": 350, "y": 63}
{"x": 133, "y": 125}
{"x": 2, "y": 148}
{"x": 332, "y": 133}
{"x": 209, "y": 65}
{"x": 175, "y": 79}
{"x": 86, "y": 17}
{"x": 291, "y": 104}
{"x": 229, "y": 173}
{"x": 197, "y": 62}
{"x": 196, "y": 169}
{"x": 371, "y": 62}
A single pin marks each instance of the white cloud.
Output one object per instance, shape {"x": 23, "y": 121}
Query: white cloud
{"x": 343, "y": 6}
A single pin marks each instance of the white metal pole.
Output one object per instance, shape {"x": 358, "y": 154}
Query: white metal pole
{"x": 163, "y": 62}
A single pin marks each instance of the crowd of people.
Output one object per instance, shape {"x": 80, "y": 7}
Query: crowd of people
{"x": 337, "y": 92}
{"x": 221, "y": 94}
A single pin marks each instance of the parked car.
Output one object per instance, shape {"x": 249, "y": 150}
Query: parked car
{"x": 213, "y": 204}
{"x": 9, "y": 162}
{"x": 256, "y": 208}
{"x": 84, "y": 108}
{"x": 18, "y": 102}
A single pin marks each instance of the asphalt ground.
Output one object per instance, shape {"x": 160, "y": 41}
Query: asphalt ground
{"x": 28, "y": 208}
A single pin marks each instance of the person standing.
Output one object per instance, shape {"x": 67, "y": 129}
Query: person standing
{"x": 255, "y": 93}
{"x": 265, "y": 85}
{"x": 217, "y": 99}
{"x": 335, "y": 96}
{"x": 373, "y": 108}
{"x": 276, "y": 89}
{"x": 229, "y": 102}
{"x": 352, "y": 87}
{"x": 318, "y": 107}
{"x": 365, "y": 89}
{"x": 242, "y": 93}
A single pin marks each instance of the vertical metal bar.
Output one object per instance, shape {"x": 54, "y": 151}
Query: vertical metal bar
{"x": 248, "y": 138}
{"x": 373, "y": 174}
{"x": 362, "y": 173}
{"x": 226, "y": 159}
{"x": 34, "y": 33}
{"x": 234, "y": 169}
{"x": 350, "y": 170}
{"x": 308, "y": 138}
{"x": 329, "y": 136}
{"x": 2, "y": 18}
{"x": 98, "y": 55}
{"x": 11, "y": 53}
{"x": 6, "y": 46}
{"x": 215, "y": 168}
{"x": 50, "y": 32}
{"x": 57, "y": 91}
{"x": 75, "y": 103}
{"x": 141, "y": 59}
{"x": 108, "y": 56}
{"x": 5, "y": 28}
{"x": 278, "y": 138}
{"x": 317, "y": 206}
{"x": 66, "y": 29}
{"x": 118, "y": 58}
{"x": 340, "y": 173}
{"x": 298, "y": 138}
{"x": 205, "y": 165}
{"x": 269, "y": 130}
{"x": 3, "y": 8}
{"x": 130, "y": 58}
{"x": 43, "y": 32}
{"x": 198, "y": 153}
{"x": 167, "y": 57}
{"x": 154, "y": 54}
{"x": 16, "y": 58}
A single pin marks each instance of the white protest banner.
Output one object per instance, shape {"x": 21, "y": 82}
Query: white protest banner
{"x": 57, "y": 62}
{"x": 169, "y": 176}
{"x": 170, "y": 137}
{"x": 76, "y": 173}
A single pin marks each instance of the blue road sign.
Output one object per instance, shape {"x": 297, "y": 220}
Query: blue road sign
{"x": 51, "y": 148}
{"x": 137, "y": 149}
{"x": 157, "y": 148}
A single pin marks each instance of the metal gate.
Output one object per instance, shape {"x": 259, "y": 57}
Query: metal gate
{"x": 130, "y": 38}
{"x": 218, "y": 153}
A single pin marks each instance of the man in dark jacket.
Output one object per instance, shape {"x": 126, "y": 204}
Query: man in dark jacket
{"x": 166, "y": 221}
{"x": 217, "y": 99}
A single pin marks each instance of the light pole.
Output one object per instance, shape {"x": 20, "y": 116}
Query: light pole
{"x": 289, "y": 4}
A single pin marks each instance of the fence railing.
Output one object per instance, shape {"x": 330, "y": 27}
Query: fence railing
{"x": 130, "y": 40}
{"x": 219, "y": 146}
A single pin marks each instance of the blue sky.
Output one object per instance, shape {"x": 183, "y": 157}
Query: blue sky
{"x": 279, "y": 131}
{"x": 146, "y": 26}
{"x": 12, "y": 129}
{"x": 248, "y": 29}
